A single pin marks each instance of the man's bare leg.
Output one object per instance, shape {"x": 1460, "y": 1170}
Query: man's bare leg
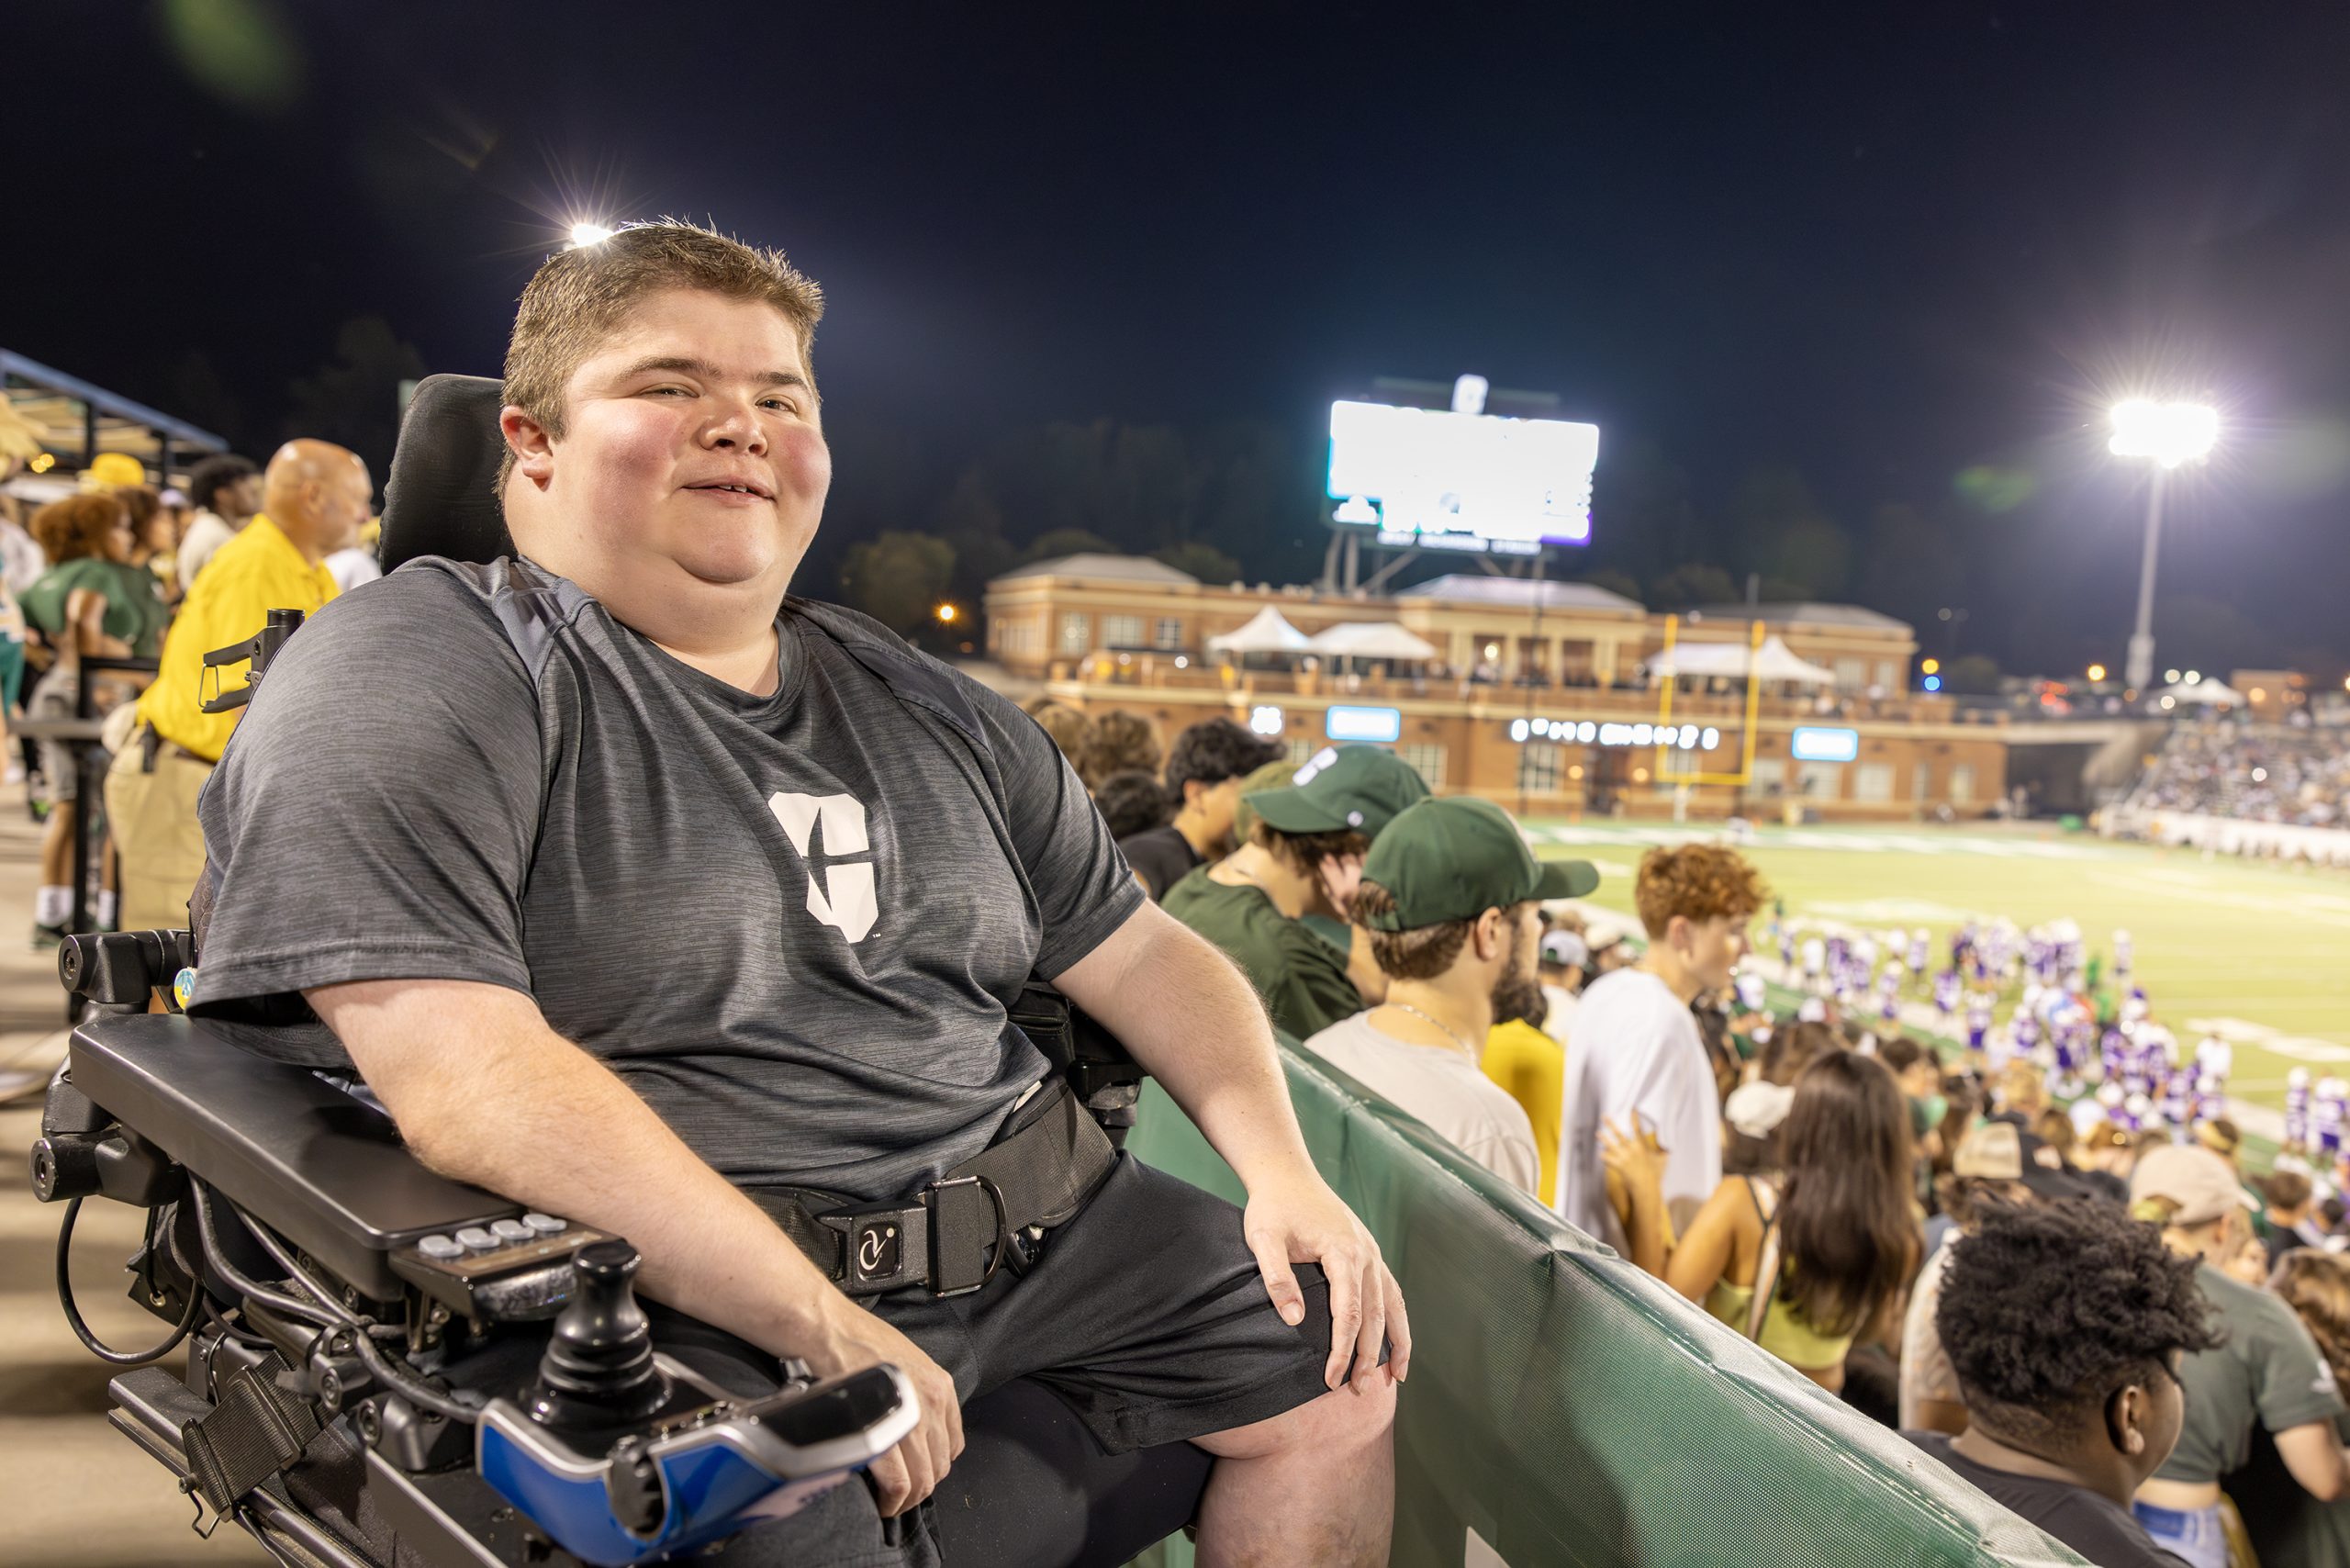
{"x": 1316, "y": 1484}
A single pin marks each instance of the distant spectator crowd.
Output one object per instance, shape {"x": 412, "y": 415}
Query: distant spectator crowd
{"x": 2295, "y": 775}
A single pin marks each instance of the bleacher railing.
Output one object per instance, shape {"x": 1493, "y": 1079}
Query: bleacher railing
{"x": 1565, "y": 1408}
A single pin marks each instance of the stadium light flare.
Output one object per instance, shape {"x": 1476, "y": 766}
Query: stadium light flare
{"x": 2097, "y": 672}
{"x": 584, "y": 234}
{"x": 2170, "y": 434}
{"x": 945, "y": 614}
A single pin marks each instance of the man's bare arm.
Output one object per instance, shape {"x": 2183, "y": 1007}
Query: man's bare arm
{"x": 1192, "y": 1022}
{"x": 483, "y": 1090}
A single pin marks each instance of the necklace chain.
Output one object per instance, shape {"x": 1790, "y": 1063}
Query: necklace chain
{"x": 1458, "y": 1038}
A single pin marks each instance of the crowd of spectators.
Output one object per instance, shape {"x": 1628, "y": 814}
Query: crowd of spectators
{"x": 2112, "y": 1332}
{"x": 2294, "y": 774}
{"x": 122, "y": 572}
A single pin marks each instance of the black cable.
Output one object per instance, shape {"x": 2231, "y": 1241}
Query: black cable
{"x": 276, "y": 1301}
{"x": 90, "y": 1341}
{"x": 365, "y": 1329}
{"x": 408, "y": 1388}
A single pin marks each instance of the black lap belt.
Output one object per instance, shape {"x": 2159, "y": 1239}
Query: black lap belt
{"x": 952, "y": 1236}
{"x": 254, "y": 1432}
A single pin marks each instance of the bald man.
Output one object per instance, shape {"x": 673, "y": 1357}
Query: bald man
{"x": 314, "y": 497}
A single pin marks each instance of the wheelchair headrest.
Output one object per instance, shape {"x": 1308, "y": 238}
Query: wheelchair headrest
{"x": 442, "y": 496}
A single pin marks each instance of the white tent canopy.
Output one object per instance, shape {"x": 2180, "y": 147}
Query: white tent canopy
{"x": 1266, "y": 633}
{"x": 1772, "y": 661}
{"x": 2207, "y": 693}
{"x": 1370, "y": 640}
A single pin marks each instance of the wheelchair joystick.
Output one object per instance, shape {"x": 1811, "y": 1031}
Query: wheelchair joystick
{"x": 598, "y": 1370}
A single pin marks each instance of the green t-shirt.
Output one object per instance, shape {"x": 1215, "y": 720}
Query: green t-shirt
{"x": 2289, "y": 1528}
{"x": 2268, "y": 1369}
{"x": 1302, "y": 978}
{"x": 135, "y": 612}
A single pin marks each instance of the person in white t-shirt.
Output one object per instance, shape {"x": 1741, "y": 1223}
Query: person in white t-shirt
{"x": 1638, "y": 1057}
{"x": 1566, "y": 960}
{"x": 225, "y": 489}
{"x": 1449, "y": 895}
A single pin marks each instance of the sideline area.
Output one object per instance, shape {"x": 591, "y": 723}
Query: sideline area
{"x": 56, "y": 1449}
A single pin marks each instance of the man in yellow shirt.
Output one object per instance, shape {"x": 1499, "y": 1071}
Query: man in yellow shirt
{"x": 315, "y": 496}
{"x": 1532, "y": 1068}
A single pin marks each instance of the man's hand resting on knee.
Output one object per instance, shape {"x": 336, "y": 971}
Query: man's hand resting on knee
{"x": 1301, "y": 1221}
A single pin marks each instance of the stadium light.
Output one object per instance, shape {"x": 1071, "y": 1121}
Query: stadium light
{"x": 945, "y": 614}
{"x": 2170, "y": 434}
{"x": 584, "y": 234}
{"x": 2167, "y": 434}
{"x": 2097, "y": 672}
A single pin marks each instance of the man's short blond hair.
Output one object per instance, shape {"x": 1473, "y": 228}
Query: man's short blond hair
{"x": 579, "y": 298}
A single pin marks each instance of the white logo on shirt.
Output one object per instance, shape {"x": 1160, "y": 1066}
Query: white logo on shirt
{"x": 844, "y": 898}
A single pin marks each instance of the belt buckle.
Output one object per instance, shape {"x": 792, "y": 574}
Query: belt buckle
{"x": 950, "y": 1200}
{"x": 883, "y": 1246}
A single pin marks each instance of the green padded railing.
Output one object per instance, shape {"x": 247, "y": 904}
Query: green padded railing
{"x": 1569, "y": 1409}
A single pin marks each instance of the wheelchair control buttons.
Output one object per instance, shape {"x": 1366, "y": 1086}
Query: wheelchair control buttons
{"x": 440, "y": 1247}
{"x": 510, "y": 1230}
{"x": 543, "y": 1224}
{"x": 473, "y": 1238}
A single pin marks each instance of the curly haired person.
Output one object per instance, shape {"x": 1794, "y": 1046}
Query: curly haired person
{"x": 1637, "y": 1058}
{"x": 2067, "y": 1324}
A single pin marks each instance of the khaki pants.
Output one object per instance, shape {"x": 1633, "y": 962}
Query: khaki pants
{"x": 153, "y": 816}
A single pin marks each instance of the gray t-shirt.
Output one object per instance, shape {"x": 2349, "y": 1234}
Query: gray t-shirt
{"x": 793, "y": 923}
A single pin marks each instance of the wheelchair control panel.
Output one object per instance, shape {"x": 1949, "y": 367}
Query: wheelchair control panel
{"x": 491, "y": 1362}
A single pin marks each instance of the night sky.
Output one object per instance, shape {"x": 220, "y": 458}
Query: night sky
{"x": 1882, "y": 246}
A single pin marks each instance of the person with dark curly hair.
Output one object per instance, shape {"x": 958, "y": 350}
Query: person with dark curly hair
{"x": 1205, "y": 769}
{"x": 2067, "y": 1324}
{"x": 226, "y": 490}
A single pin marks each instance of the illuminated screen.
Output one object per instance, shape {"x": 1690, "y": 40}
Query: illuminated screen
{"x": 1814, "y": 744}
{"x": 1345, "y": 723}
{"x": 1480, "y": 479}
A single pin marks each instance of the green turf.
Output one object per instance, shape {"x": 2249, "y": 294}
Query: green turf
{"x": 2215, "y": 939}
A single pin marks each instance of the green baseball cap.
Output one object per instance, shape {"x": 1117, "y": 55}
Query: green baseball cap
{"x": 1348, "y": 788}
{"x": 1455, "y": 859}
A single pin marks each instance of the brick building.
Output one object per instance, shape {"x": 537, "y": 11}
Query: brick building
{"x": 1536, "y": 689}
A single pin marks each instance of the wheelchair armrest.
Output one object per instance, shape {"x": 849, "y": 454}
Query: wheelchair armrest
{"x": 314, "y": 1162}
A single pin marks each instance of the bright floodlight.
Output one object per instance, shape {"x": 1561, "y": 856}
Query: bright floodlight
{"x": 2170, "y": 434}
{"x": 583, "y": 234}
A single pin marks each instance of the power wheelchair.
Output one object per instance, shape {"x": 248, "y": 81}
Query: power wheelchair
{"x": 387, "y": 1369}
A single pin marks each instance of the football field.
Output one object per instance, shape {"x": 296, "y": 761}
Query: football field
{"x": 2257, "y": 953}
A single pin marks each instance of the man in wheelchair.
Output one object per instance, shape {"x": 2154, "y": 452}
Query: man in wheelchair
{"x": 644, "y": 895}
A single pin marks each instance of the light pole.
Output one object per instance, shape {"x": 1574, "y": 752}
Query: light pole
{"x": 2170, "y": 435}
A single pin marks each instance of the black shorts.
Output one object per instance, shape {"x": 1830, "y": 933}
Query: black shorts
{"x": 1146, "y": 1315}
